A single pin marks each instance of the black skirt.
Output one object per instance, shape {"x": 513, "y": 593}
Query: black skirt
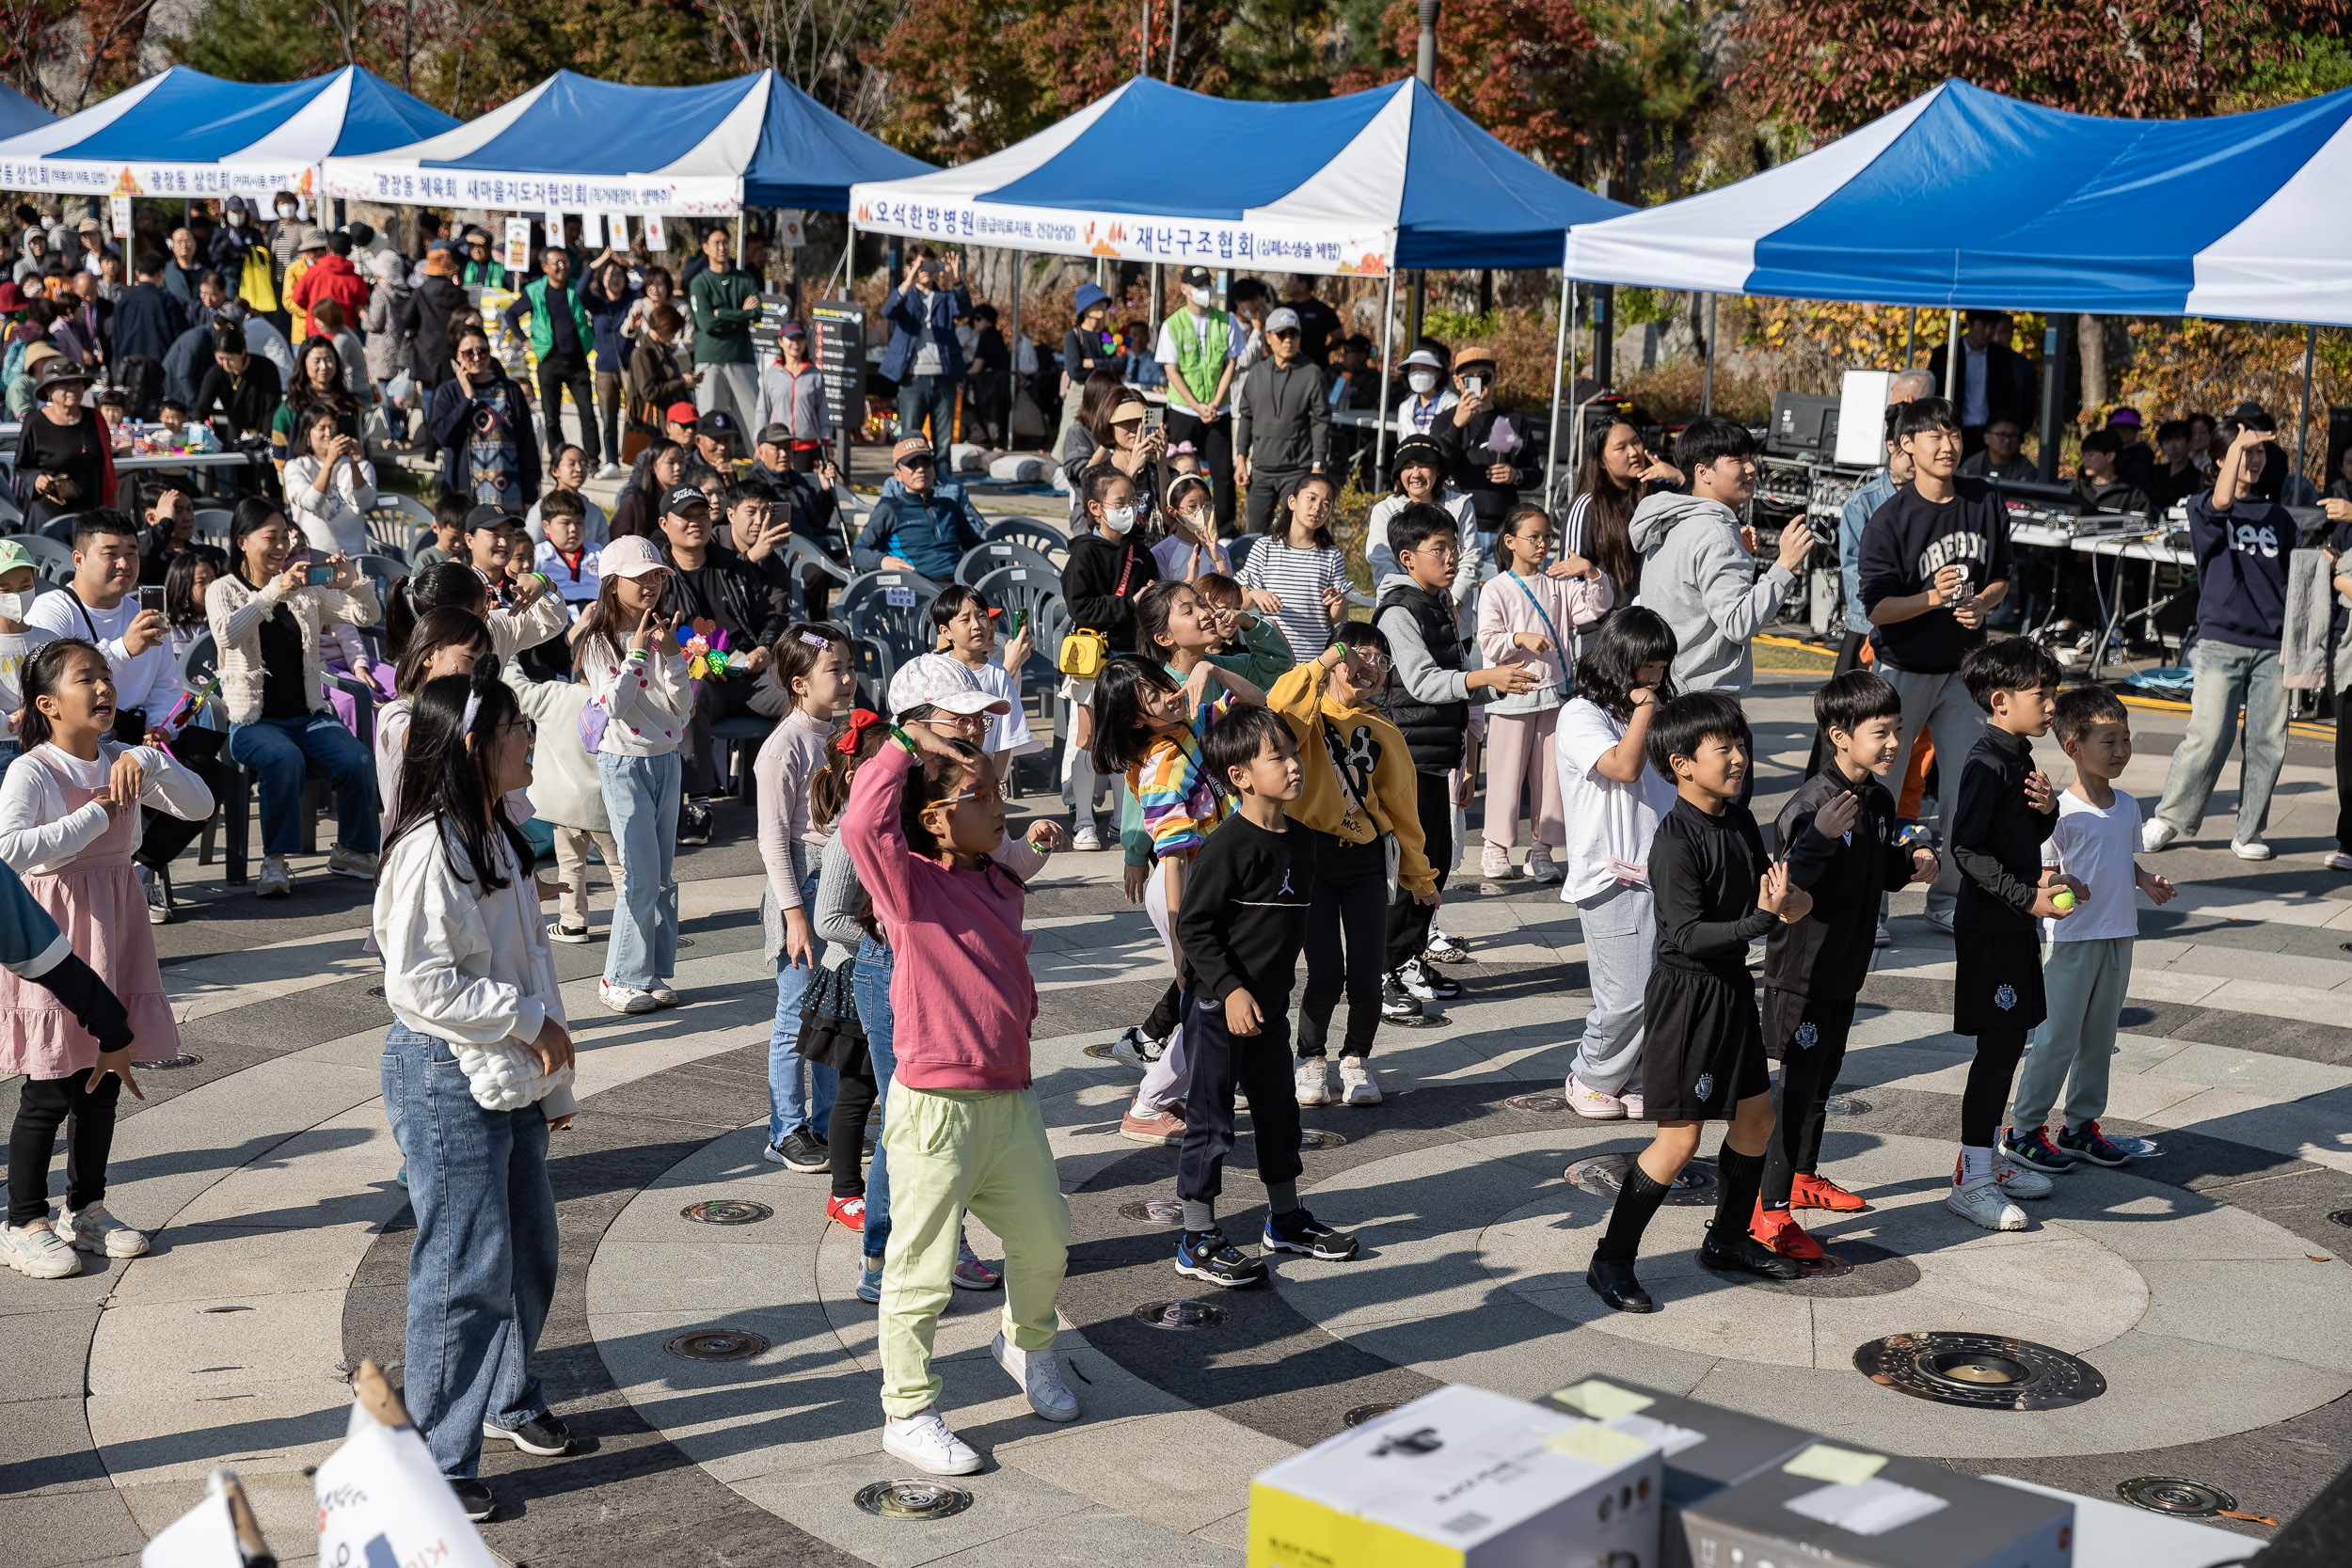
{"x": 1794, "y": 1024}
{"x": 1997, "y": 982}
{"x": 831, "y": 1035}
{"x": 1702, "y": 1045}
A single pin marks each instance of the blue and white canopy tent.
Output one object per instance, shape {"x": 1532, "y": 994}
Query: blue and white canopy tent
{"x": 19, "y": 112}
{"x": 1964, "y": 197}
{"x": 576, "y": 144}
{"x": 188, "y": 134}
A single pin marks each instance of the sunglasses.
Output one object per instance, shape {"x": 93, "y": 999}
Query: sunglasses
{"x": 915, "y": 463}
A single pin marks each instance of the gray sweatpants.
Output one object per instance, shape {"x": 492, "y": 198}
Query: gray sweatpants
{"x": 1620, "y": 946}
{"x": 2073, "y": 1049}
{"x": 1940, "y": 704}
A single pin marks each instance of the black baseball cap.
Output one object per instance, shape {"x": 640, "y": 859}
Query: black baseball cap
{"x": 775, "y": 435}
{"x": 1418, "y": 449}
{"x": 683, "y": 499}
{"x": 1195, "y": 277}
{"x": 717, "y": 423}
{"x": 490, "y": 516}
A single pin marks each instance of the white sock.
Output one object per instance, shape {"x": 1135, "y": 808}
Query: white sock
{"x": 1974, "y": 1163}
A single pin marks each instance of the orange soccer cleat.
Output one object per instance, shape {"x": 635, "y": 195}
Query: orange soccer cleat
{"x": 1779, "y": 1230}
{"x": 1815, "y": 1191}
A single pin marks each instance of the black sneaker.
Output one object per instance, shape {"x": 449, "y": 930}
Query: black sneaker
{"x": 695, "y": 828}
{"x": 1745, "y": 1255}
{"x": 160, "y": 909}
{"x": 474, "y": 1497}
{"x": 1426, "y": 983}
{"x": 1207, "y": 1254}
{"x": 1301, "y": 1231}
{"x": 802, "y": 1151}
{"x": 545, "y": 1435}
{"x": 1396, "y": 1002}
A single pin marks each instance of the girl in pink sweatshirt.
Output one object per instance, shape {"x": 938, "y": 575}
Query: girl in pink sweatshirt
{"x": 961, "y": 1128}
{"x": 1529, "y": 615}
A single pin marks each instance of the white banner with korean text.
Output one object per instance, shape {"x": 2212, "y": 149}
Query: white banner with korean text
{"x": 1248, "y": 244}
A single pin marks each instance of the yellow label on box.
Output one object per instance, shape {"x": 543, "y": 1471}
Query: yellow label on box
{"x": 1600, "y": 1400}
{"x": 1597, "y": 1445}
{"x": 1841, "y": 1465}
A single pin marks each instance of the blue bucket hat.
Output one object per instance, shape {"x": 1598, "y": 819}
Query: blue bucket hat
{"x": 1088, "y": 296}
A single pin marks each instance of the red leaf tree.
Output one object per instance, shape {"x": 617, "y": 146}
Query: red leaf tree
{"x": 1513, "y": 66}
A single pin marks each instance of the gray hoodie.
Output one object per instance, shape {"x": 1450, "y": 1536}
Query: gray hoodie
{"x": 1697, "y": 575}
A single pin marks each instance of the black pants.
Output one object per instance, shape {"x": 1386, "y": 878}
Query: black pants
{"x": 1409, "y": 922}
{"x": 1347, "y": 934}
{"x": 1849, "y": 659}
{"x": 1167, "y": 1013}
{"x": 164, "y": 836}
{"x": 1267, "y": 487}
{"x": 1808, "y": 1070}
{"x": 2344, "y": 769}
{"x": 1214, "y": 442}
{"x": 713, "y": 701}
{"x": 88, "y": 1117}
{"x": 559, "y": 374}
{"x": 845, "y": 1135}
{"x": 1986, "y": 1099}
{"x": 1260, "y": 1065}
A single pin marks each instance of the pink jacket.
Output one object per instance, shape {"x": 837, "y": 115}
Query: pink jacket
{"x": 1505, "y": 610}
{"x": 961, "y": 992}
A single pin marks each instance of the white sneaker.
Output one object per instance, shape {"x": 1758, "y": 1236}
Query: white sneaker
{"x": 610, "y": 471}
{"x": 666, "y": 995}
{"x": 2155, "y": 833}
{"x": 1134, "y": 1049}
{"x": 94, "y": 1230}
{"x": 1593, "y": 1104}
{"x": 1038, "y": 1372}
{"x": 1495, "y": 864}
{"x": 1087, "y": 837}
{"x": 1358, "y": 1086}
{"x": 1882, "y": 938}
{"x": 1982, "y": 1202}
{"x": 2336, "y": 860}
{"x": 1542, "y": 869}
{"x": 624, "y": 999}
{"x": 351, "y": 863}
{"x": 924, "y": 1441}
{"x": 2017, "y": 1178}
{"x": 37, "y": 1252}
{"x": 1313, "y": 1080}
{"x": 2250, "y": 849}
{"x": 277, "y": 878}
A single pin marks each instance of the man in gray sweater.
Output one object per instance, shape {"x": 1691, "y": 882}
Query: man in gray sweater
{"x": 1699, "y": 567}
{"x": 1282, "y": 420}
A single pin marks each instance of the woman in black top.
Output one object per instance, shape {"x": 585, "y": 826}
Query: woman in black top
{"x": 63, "y": 462}
{"x": 1083, "y": 353}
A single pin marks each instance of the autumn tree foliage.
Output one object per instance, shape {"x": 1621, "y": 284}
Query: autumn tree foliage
{"x": 1517, "y": 66}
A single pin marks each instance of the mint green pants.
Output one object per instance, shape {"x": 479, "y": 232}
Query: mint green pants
{"x": 2073, "y": 1049}
{"x": 952, "y": 1151}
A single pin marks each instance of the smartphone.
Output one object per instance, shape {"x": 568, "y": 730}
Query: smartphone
{"x": 1154, "y": 416}
{"x": 320, "y": 576}
{"x": 151, "y": 597}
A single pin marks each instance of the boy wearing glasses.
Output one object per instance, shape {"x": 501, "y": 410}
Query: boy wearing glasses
{"x": 922, "y": 523}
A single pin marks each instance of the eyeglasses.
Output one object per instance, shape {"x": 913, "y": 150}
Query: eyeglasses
{"x": 998, "y": 791}
{"x": 1290, "y": 332}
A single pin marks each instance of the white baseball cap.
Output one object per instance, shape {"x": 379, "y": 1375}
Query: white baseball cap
{"x": 941, "y": 682}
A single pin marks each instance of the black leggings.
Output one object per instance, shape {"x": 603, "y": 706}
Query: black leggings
{"x": 1167, "y": 1013}
{"x": 2344, "y": 771}
{"x": 1408, "y": 921}
{"x": 88, "y": 1117}
{"x": 845, "y": 1135}
{"x": 1347, "y": 933}
{"x": 1986, "y": 1099}
{"x": 1801, "y": 1098}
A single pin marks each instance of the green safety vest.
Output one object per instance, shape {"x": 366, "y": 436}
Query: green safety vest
{"x": 1200, "y": 345}
{"x": 542, "y": 334}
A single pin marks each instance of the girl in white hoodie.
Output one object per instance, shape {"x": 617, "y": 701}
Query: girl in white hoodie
{"x": 477, "y": 1070}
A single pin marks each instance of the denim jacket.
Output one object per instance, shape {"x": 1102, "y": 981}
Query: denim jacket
{"x": 905, "y": 313}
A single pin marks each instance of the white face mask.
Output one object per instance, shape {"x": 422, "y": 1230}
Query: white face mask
{"x": 1424, "y": 382}
{"x": 236, "y": 217}
{"x": 1199, "y": 297}
{"x": 14, "y": 607}
{"x": 1119, "y": 519}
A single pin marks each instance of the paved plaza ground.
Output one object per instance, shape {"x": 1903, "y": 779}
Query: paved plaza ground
{"x": 2206, "y": 1284}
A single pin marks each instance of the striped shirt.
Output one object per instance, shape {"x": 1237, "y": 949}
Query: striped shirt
{"x": 1298, "y": 578}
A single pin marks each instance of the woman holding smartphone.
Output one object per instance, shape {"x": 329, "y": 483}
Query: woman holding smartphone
{"x": 266, "y": 619}
{"x": 331, "y": 485}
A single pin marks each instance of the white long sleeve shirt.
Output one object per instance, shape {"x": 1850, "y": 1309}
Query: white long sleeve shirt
{"x": 647, "y": 698}
{"x": 332, "y": 516}
{"x": 148, "y": 680}
{"x": 37, "y": 833}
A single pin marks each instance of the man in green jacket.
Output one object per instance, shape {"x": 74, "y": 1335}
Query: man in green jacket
{"x": 482, "y": 268}
{"x": 724, "y": 302}
{"x": 561, "y": 336}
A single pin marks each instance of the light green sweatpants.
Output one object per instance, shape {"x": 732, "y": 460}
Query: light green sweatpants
{"x": 2072, "y": 1050}
{"x": 950, "y": 1150}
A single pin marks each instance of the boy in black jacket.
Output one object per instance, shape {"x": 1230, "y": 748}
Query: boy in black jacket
{"x": 2005, "y": 811}
{"x": 1702, "y": 1051}
{"x": 1836, "y": 835}
{"x": 1243, "y": 921}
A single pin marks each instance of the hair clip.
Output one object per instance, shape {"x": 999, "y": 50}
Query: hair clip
{"x": 816, "y": 641}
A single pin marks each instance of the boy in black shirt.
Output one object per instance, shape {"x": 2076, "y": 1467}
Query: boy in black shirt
{"x": 1702, "y": 1053}
{"x": 2004, "y": 810}
{"x": 1836, "y": 835}
{"x": 1243, "y": 921}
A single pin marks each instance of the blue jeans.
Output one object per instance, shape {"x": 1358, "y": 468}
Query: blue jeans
{"x": 641, "y": 796}
{"x": 10, "y": 752}
{"x": 875, "y": 964}
{"x": 281, "y": 751}
{"x": 934, "y": 395}
{"x": 800, "y": 1093}
{"x": 2228, "y": 677}
{"x": 482, "y": 1270}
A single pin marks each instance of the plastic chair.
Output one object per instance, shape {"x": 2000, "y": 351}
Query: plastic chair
{"x": 382, "y": 570}
{"x": 214, "y": 525}
{"x": 993, "y": 556}
{"x": 234, "y": 809}
{"x": 892, "y": 605}
{"x": 59, "y": 529}
{"x": 875, "y": 666}
{"x": 1047, "y": 540}
{"x": 394, "y": 521}
{"x": 53, "y": 561}
{"x": 1238, "y": 548}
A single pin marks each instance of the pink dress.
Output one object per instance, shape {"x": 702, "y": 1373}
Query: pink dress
{"x": 98, "y": 903}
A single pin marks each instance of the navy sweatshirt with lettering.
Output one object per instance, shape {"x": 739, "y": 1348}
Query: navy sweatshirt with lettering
{"x": 1909, "y": 539}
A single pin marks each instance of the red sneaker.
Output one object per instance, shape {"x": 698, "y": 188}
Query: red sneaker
{"x": 1779, "y": 1230}
{"x": 847, "y": 1211}
{"x": 1814, "y": 1192}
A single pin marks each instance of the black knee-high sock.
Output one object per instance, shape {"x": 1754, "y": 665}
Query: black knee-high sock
{"x": 1637, "y": 1201}
{"x": 1739, "y": 1178}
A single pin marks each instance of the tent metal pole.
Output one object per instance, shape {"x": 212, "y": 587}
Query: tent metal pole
{"x": 1952, "y": 358}
{"x": 1559, "y": 378}
{"x": 1707, "y": 387}
{"x": 1911, "y": 337}
{"x": 1013, "y": 351}
{"x": 1388, "y": 363}
{"x": 2303, "y": 417}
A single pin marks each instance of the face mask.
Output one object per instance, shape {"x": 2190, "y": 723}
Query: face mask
{"x": 1199, "y": 297}
{"x": 1424, "y": 382}
{"x": 14, "y": 607}
{"x": 1120, "y": 518}
{"x": 236, "y": 218}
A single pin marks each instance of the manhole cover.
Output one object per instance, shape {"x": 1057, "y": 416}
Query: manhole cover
{"x": 1364, "y": 1413}
{"x": 1848, "y": 1105}
{"x": 1543, "y": 1104}
{"x": 686, "y": 941}
{"x": 1101, "y": 1052}
{"x": 1603, "y": 1175}
{"x": 1982, "y": 1371}
{"x": 2177, "y": 1495}
{"x": 170, "y": 1063}
{"x": 913, "y": 1500}
{"x": 1316, "y": 1138}
{"x": 1178, "y": 1315}
{"x": 728, "y": 1211}
{"x": 717, "y": 1344}
{"x": 1857, "y": 1268}
{"x": 2342, "y": 1216}
{"x": 1155, "y": 1211}
{"x": 375, "y": 991}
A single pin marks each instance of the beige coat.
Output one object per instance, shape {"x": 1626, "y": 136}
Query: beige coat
{"x": 236, "y": 613}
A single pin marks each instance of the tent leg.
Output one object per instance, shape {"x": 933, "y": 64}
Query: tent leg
{"x": 1559, "y": 376}
{"x": 1707, "y": 387}
{"x": 2303, "y": 417}
{"x": 1911, "y": 337}
{"x": 2056, "y": 332}
{"x": 1388, "y": 362}
{"x": 1013, "y": 351}
{"x": 1952, "y": 358}
{"x": 854, "y": 415}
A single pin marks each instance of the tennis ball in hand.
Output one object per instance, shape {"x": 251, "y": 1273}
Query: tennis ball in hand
{"x": 2062, "y": 900}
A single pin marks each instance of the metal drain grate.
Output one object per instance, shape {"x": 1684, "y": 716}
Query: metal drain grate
{"x": 1981, "y": 1371}
{"x": 1848, "y": 1105}
{"x": 2342, "y": 1216}
{"x": 913, "y": 1500}
{"x": 726, "y": 1211}
{"x": 1542, "y": 1104}
{"x": 717, "y": 1344}
{"x": 1176, "y": 1316}
{"x": 1154, "y": 1212}
{"x": 2177, "y": 1495}
{"x": 1364, "y": 1413}
{"x": 1101, "y": 1052}
{"x": 1603, "y": 1176}
{"x": 170, "y": 1063}
{"x": 1318, "y": 1138}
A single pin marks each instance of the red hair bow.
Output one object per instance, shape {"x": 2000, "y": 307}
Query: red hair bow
{"x": 861, "y": 720}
